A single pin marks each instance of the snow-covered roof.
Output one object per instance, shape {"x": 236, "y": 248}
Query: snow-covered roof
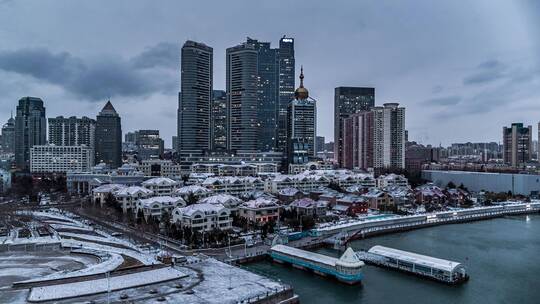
{"x": 260, "y": 203}
{"x": 307, "y": 203}
{"x": 415, "y": 258}
{"x": 231, "y": 180}
{"x": 162, "y": 200}
{"x": 132, "y": 190}
{"x": 160, "y": 181}
{"x": 221, "y": 199}
{"x": 108, "y": 188}
{"x": 392, "y": 177}
{"x": 192, "y": 189}
{"x": 295, "y": 252}
{"x": 202, "y": 208}
{"x": 349, "y": 259}
{"x": 290, "y": 191}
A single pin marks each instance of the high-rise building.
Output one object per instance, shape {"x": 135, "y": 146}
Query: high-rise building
{"x": 538, "y": 144}
{"x": 30, "y": 129}
{"x": 108, "y": 145}
{"x": 302, "y": 125}
{"x": 267, "y": 93}
{"x": 195, "y": 100}
{"x": 242, "y": 100}
{"x": 347, "y": 101}
{"x": 174, "y": 142}
{"x": 8, "y": 136}
{"x": 517, "y": 144}
{"x": 130, "y": 137}
{"x": 219, "y": 121}
{"x": 286, "y": 88}
{"x": 72, "y": 131}
{"x": 375, "y": 138}
{"x": 319, "y": 144}
{"x": 149, "y": 144}
{"x": 255, "y": 64}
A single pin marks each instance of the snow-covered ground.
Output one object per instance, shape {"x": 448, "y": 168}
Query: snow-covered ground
{"x": 76, "y": 289}
{"x": 109, "y": 262}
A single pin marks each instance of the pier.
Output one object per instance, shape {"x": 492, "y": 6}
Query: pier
{"x": 339, "y": 234}
{"x": 347, "y": 269}
{"x": 422, "y": 265}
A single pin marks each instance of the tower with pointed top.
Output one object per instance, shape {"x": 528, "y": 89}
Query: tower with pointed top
{"x": 302, "y": 125}
{"x": 8, "y": 136}
{"x": 108, "y": 145}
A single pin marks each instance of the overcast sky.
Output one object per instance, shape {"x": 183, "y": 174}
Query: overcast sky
{"x": 463, "y": 69}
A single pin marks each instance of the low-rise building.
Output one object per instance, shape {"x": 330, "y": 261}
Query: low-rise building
{"x": 202, "y": 217}
{"x": 288, "y": 195}
{"x": 234, "y": 185}
{"x": 161, "y": 186}
{"x": 100, "y": 193}
{"x": 306, "y": 182}
{"x": 163, "y": 168}
{"x": 259, "y": 211}
{"x": 156, "y": 206}
{"x": 388, "y": 180}
{"x": 378, "y": 199}
{"x": 128, "y": 196}
{"x": 351, "y": 205}
{"x": 228, "y": 201}
{"x": 241, "y": 169}
{"x": 51, "y": 159}
{"x": 192, "y": 193}
{"x": 307, "y": 206}
{"x": 429, "y": 194}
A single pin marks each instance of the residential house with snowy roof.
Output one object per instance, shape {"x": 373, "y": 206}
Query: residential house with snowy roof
{"x": 192, "y": 192}
{"x": 259, "y": 211}
{"x": 100, "y": 193}
{"x": 202, "y": 217}
{"x": 156, "y": 206}
{"x": 234, "y": 185}
{"x": 161, "y": 185}
{"x": 128, "y": 196}
{"x": 307, "y": 206}
{"x": 388, "y": 180}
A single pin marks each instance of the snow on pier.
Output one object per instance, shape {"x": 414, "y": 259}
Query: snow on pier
{"x": 423, "y": 265}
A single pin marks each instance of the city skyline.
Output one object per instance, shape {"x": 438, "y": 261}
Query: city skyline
{"x": 450, "y": 85}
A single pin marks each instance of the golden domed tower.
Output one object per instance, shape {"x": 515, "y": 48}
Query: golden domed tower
{"x": 301, "y": 92}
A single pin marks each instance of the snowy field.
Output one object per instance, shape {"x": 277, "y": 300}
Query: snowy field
{"x": 76, "y": 289}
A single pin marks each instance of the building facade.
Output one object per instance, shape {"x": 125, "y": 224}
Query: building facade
{"x": 30, "y": 129}
{"x": 242, "y": 101}
{"x": 286, "y": 83}
{"x": 72, "y": 131}
{"x": 375, "y": 138}
{"x": 219, "y": 121}
{"x": 51, "y": 159}
{"x": 348, "y": 101}
{"x": 149, "y": 144}
{"x": 517, "y": 144}
{"x": 108, "y": 142}
{"x": 195, "y": 99}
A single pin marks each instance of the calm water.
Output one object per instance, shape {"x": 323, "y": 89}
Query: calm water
{"x": 502, "y": 257}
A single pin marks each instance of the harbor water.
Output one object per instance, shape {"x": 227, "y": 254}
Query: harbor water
{"x": 502, "y": 257}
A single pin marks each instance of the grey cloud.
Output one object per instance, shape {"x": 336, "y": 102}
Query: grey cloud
{"x": 105, "y": 78}
{"x": 163, "y": 54}
{"x": 443, "y": 101}
{"x": 486, "y": 72}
